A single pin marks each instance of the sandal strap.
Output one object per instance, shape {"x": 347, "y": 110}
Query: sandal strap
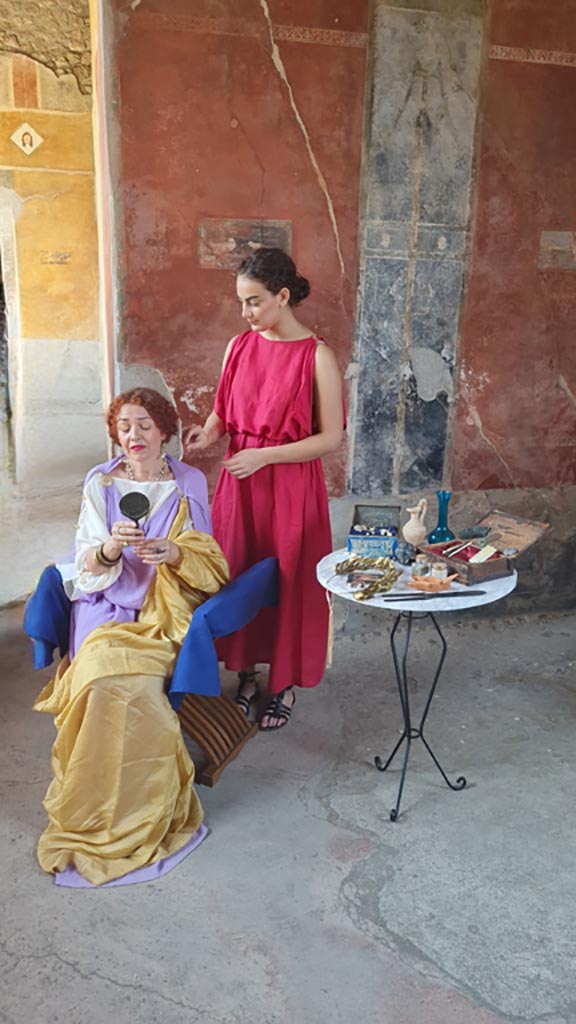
{"x": 277, "y": 708}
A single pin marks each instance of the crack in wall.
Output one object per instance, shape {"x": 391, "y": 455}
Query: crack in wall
{"x": 566, "y": 388}
{"x": 475, "y": 416}
{"x": 279, "y": 65}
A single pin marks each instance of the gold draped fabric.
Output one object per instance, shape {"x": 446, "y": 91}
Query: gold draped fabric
{"x": 121, "y": 797}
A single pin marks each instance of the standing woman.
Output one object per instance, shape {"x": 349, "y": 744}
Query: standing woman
{"x": 280, "y": 401}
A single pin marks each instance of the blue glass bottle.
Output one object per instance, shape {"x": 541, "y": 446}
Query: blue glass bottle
{"x": 441, "y": 531}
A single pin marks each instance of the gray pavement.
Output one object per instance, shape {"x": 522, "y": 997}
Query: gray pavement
{"x": 306, "y": 904}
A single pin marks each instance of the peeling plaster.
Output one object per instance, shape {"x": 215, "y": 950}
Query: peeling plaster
{"x": 10, "y": 202}
{"x": 432, "y": 374}
{"x": 279, "y": 65}
{"x": 53, "y": 33}
{"x": 189, "y": 397}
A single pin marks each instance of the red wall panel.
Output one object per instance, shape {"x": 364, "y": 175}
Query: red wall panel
{"x": 515, "y": 417}
{"x": 209, "y": 129}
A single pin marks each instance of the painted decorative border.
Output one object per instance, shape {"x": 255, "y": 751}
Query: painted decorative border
{"x": 324, "y": 36}
{"x": 153, "y": 21}
{"x": 520, "y": 56}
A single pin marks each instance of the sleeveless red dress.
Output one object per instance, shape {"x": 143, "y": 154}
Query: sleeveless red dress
{"x": 265, "y": 397}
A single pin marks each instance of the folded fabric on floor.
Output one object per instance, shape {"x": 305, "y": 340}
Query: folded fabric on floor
{"x": 72, "y": 879}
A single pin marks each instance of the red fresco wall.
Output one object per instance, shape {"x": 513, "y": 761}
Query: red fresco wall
{"x": 515, "y": 416}
{"x": 209, "y": 130}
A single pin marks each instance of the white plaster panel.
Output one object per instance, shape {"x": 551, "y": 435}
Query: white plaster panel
{"x": 59, "y": 422}
{"x": 61, "y": 373}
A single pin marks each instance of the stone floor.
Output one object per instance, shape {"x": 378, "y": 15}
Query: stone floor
{"x": 306, "y": 904}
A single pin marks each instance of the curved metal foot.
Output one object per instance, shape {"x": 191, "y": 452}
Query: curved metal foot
{"x": 411, "y": 732}
{"x": 382, "y": 766}
{"x": 460, "y": 781}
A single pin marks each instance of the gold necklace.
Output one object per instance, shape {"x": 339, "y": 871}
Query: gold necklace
{"x": 161, "y": 475}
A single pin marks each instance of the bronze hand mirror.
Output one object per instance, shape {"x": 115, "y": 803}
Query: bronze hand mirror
{"x": 134, "y": 506}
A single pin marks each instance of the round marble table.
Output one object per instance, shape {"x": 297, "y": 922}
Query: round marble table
{"x": 403, "y": 600}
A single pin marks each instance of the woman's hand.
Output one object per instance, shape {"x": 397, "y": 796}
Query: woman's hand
{"x": 246, "y": 463}
{"x": 158, "y": 551}
{"x": 124, "y": 533}
{"x": 195, "y": 439}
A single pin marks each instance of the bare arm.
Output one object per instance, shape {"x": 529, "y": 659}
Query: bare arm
{"x": 328, "y": 398}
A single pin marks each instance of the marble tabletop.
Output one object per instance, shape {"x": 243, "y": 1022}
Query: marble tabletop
{"x": 494, "y": 590}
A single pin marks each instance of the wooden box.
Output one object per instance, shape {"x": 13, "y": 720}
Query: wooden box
{"x": 506, "y": 531}
{"x": 379, "y": 517}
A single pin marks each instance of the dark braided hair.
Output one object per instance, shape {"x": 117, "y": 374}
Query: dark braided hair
{"x": 275, "y": 270}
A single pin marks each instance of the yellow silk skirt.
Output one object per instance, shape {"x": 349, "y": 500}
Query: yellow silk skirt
{"x": 122, "y": 797}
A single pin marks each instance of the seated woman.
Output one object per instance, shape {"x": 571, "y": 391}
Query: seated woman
{"x": 121, "y": 799}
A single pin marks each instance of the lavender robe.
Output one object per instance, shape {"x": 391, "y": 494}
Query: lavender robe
{"x": 122, "y": 601}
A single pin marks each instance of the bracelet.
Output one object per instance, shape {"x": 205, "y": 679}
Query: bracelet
{"x": 100, "y": 557}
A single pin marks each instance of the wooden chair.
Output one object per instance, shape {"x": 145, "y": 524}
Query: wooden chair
{"x": 214, "y": 722}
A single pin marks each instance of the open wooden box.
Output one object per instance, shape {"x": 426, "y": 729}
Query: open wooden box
{"x": 506, "y": 531}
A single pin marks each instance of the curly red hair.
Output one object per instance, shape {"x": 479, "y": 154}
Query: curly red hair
{"x": 158, "y": 408}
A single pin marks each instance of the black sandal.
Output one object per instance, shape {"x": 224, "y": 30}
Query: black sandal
{"x": 277, "y": 709}
{"x": 243, "y": 702}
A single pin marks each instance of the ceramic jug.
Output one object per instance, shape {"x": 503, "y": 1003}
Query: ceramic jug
{"x": 414, "y": 531}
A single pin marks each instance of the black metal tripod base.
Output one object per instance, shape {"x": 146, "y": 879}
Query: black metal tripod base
{"x": 413, "y": 732}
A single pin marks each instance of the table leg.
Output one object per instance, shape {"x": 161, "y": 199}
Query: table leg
{"x": 411, "y": 732}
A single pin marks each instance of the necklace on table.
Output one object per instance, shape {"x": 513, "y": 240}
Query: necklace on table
{"x": 161, "y": 475}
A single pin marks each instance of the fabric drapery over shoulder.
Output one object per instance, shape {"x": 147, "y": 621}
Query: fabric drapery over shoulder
{"x": 121, "y": 796}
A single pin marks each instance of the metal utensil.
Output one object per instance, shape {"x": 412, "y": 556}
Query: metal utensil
{"x": 433, "y": 597}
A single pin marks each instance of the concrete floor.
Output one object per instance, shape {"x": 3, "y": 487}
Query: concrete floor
{"x": 306, "y": 904}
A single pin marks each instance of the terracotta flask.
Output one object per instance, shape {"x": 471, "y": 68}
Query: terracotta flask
{"x": 414, "y": 531}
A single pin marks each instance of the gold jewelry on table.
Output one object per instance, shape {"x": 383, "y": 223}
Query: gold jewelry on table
{"x": 381, "y": 584}
{"x": 362, "y": 562}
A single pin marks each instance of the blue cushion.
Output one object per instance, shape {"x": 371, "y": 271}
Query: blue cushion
{"x": 47, "y": 618}
{"x": 230, "y": 609}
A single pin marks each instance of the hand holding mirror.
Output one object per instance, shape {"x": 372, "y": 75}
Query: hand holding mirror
{"x": 134, "y": 506}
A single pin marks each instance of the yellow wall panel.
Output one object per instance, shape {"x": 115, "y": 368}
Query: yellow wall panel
{"x": 67, "y": 140}
{"x": 57, "y": 256}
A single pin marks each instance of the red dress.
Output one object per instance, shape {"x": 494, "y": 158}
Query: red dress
{"x": 265, "y": 398}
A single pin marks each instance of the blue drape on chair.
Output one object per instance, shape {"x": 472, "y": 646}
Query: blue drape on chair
{"x": 47, "y": 623}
